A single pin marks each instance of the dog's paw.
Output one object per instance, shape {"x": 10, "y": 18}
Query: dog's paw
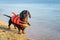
{"x": 23, "y": 33}
{"x": 19, "y": 33}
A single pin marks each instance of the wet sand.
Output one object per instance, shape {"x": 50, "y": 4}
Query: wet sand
{"x": 10, "y": 34}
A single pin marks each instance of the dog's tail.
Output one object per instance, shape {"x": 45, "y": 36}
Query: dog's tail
{"x": 7, "y": 15}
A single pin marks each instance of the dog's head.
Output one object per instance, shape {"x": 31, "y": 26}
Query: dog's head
{"x": 25, "y": 13}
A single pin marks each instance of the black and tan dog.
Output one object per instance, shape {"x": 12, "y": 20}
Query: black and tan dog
{"x": 23, "y": 17}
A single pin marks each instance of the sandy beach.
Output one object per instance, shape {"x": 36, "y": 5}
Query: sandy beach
{"x": 6, "y": 34}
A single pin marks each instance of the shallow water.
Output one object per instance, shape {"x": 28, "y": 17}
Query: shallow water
{"x": 45, "y": 21}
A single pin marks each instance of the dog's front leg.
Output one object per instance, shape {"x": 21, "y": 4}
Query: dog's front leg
{"x": 23, "y": 30}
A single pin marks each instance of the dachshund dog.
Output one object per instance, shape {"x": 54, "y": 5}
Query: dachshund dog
{"x": 19, "y": 20}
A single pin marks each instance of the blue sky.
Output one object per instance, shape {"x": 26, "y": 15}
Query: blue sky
{"x": 28, "y": 1}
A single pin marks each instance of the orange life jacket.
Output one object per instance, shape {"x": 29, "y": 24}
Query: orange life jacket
{"x": 16, "y": 19}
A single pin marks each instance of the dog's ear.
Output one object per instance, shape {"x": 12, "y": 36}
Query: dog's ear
{"x": 23, "y": 12}
{"x": 29, "y": 14}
